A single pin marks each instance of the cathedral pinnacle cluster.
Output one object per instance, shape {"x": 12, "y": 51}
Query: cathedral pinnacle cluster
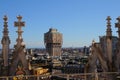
{"x": 18, "y": 53}
{"x": 106, "y": 52}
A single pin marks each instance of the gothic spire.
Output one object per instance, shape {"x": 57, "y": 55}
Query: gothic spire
{"x": 19, "y": 57}
{"x": 108, "y": 30}
{"x": 19, "y": 24}
{"x": 5, "y": 42}
{"x": 5, "y": 39}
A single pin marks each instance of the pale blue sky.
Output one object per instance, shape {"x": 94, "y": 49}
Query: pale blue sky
{"x": 80, "y": 21}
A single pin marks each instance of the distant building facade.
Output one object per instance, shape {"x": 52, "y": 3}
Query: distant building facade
{"x": 53, "y": 42}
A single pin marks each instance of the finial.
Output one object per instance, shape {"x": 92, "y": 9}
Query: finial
{"x": 108, "y": 18}
{"x": 5, "y": 18}
{"x": 108, "y": 30}
{"x": 19, "y": 17}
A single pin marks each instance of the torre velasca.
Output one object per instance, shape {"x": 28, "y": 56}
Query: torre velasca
{"x": 53, "y": 42}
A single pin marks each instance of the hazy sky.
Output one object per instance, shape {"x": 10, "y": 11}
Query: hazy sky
{"x": 80, "y": 21}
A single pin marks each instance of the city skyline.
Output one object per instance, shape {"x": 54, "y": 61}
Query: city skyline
{"x": 79, "y": 21}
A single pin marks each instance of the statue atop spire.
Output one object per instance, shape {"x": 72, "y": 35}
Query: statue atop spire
{"x": 108, "y": 31}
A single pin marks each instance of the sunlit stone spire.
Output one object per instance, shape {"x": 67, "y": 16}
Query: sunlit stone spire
{"x": 19, "y": 57}
{"x": 109, "y": 43}
{"x": 5, "y": 47}
{"x": 19, "y": 24}
{"x": 5, "y": 42}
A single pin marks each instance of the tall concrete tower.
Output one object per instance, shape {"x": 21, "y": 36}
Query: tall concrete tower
{"x": 5, "y": 44}
{"x": 53, "y": 42}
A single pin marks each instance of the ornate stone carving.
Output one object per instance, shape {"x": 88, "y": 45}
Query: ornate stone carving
{"x": 19, "y": 54}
